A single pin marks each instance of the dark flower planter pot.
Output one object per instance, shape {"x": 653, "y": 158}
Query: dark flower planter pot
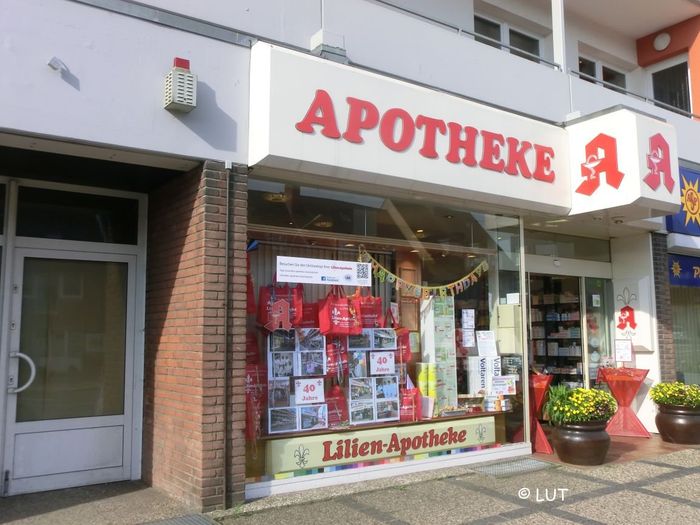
{"x": 679, "y": 424}
{"x": 582, "y": 443}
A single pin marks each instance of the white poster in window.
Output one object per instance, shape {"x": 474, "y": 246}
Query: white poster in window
{"x": 323, "y": 271}
{"x": 308, "y": 391}
{"x": 468, "y": 315}
{"x": 513, "y": 298}
{"x": 623, "y": 350}
{"x": 468, "y": 339}
{"x": 381, "y": 363}
{"x": 486, "y": 343}
{"x": 503, "y": 385}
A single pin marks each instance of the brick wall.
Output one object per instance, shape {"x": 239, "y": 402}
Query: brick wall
{"x": 664, "y": 318}
{"x": 185, "y": 353}
{"x": 237, "y": 328}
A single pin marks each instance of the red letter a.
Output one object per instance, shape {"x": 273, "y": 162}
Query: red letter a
{"x": 320, "y": 112}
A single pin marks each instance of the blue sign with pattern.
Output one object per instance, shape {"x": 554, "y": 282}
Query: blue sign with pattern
{"x": 683, "y": 270}
{"x": 687, "y": 221}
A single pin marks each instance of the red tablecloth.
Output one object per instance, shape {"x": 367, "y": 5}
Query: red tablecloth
{"x": 624, "y": 384}
{"x": 539, "y": 385}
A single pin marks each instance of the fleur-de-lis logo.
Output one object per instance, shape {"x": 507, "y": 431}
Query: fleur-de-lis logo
{"x": 301, "y": 455}
{"x": 626, "y": 297}
{"x": 481, "y": 433}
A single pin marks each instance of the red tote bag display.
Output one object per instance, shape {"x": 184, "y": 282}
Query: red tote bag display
{"x": 337, "y": 356}
{"x": 370, "y": 309}
{"x": 256, "y": 400}
{"x": 410, "y": 408}
{"x": 337, "y": 407}
{"x": 339, "y": 314}
{"x": 403, "y": 338}
{"x": 309, "y": 316}
{"x": 280, "y": 306}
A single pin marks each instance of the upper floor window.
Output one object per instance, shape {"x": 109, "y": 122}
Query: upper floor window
{"x": 498, "y": 34}
{"x": 671, "y": 86}
{"x": 592, "y": 70}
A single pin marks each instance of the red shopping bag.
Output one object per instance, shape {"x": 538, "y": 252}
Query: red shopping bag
{"x": 252, "y": 353}
{"x": 337, "y": 356}
{"x": 337, "y": 407}
{"x": 410, "y": 408}
{"x": 339, "y": 314}
{"x": 280, "y": 306}
{"x": 403, "y": 338}
{"x": 256, "y": 400}
{"x": 370, "y": 309}
{"x": 250, "y": 289}
{"x": 309, "y": 316}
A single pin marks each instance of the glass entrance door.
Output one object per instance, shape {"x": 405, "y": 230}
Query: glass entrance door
{"x": 71, "y": 357}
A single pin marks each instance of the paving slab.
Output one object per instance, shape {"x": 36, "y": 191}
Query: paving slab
{"x": 123, "y": 503}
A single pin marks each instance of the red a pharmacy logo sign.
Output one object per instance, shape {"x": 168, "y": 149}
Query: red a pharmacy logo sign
{"x": 601, "y": 161}
{"x": 625, "y": 162}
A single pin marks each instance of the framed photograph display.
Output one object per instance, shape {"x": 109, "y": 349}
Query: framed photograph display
{"x": 361, "y": 412}
{"x": 313, "y": 417}
{"x": 310, "y": 340}
{"x": 386, "y": 387}
{"x": 383, "y": 339}
{"x": 282, "y": 341}
{"x": 361, "y": 389}
{"x": 283, "y": 420}
{"x": 279, "y": 393}
{"x": 281, "y": 364}
{"x": 312, "y": 363}
{"x": 388, "y": 410}
{"x": 361, "y": 341}
{"x": 357, "y": 362}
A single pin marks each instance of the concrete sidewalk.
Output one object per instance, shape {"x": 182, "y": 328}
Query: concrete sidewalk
{"x": 658, "y": 488}
{"x": 665, "y": 489}
{"x": 128, "y": 502}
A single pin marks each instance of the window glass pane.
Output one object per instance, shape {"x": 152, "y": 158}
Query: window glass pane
{"x": 526, "y": 43}
{"x": 599, "y": 325}
{"x": 614, "y": 77}
{"x": 671, "y": 86}
{"x": 52, "y": 214}
{"x": 445, "y": 271}
{"x": 2, "y": 209}
{"x": 685, "y": 305}
{"x": 569, "y": 246}
{"x": 489, "y": 29}
{"x": 587, "y": 67}
{"x": 74, "y": 329}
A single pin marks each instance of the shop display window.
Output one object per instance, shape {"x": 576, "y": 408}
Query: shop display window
{"x": 427, "y": 358}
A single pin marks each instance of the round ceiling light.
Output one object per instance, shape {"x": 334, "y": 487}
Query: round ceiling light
{"x": 662, "y": 41}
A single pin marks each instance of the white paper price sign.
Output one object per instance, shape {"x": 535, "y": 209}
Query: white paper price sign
{"x": 307, "y": 391}
{"x": 381, "y": 363}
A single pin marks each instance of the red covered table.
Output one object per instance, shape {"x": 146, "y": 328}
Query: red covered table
{"x": 539, "y": 384}
{"x": 624, "y": 384}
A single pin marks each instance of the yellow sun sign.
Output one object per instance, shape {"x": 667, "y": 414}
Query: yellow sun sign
{"x": 676, "y": 269}
{"x": 690, "y": 199}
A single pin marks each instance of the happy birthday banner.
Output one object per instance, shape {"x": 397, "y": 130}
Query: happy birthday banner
{"x": 418, "y": 290}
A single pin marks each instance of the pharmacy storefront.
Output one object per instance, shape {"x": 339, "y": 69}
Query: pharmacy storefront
{"x": 386, "y": 284}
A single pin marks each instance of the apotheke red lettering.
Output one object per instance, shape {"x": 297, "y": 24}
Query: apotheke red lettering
{"x": 352, "y": 448}
{"x": 398, "y": 130}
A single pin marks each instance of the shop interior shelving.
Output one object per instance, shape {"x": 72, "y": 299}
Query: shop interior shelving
{"x": 555, "y": 328}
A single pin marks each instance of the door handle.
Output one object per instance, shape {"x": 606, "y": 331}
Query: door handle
{"x": 32, "y": 372}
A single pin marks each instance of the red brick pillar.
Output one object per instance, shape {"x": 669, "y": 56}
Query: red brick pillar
{"x": 185, "y": 344}
{"x": 238, "y": 201}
